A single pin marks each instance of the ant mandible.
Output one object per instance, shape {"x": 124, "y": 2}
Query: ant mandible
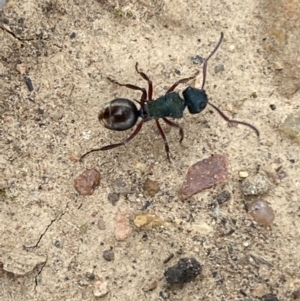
{"x": 122, "y": 114}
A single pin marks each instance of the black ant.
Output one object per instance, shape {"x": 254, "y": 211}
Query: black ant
{"x": 122, "y": 114}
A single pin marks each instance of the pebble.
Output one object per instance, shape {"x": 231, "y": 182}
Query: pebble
{"x": 223, "y": 197}
{"x": 87, "y": 182}
{"x": 109, "y": 255}
{"x": 269, "y": 297}
{"x": 101, "y": 224}
{"x": 231, "y": 48}
{"x": 261, "y": 212}
{"x": 113, "y": 198}
{"x": 197, "y": 59}
{"x": 122, "y": 226}
{"x": 219, "y": 68}
{"x": 148, "y": 221}
{"x": 151, "y": 187}
{"x": 291, "y": 127}
{"x": 121, "y": 187}
{"x": 186, "y": 270}
{"x": 150, "y": 286}
{"x": 255, "y": 185}
{"x": 204, "y": 174}
{"x": 100, "y": 288}
{"x": 243, "y": 174}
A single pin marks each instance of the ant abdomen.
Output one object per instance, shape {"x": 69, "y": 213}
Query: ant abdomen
{"x": 119, "y": 114}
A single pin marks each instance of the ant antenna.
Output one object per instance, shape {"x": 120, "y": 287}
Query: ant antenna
{"x": 213, "y": 106}
{"x": 206, "y": 60}
{"x": 235, "y": 121}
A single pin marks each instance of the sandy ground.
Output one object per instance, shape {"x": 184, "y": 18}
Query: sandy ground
{"x": 69, "y": 48}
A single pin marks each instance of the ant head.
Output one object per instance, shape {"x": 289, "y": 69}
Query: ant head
{"x": 119, "y": 114}
{"x": 195, "y": 99}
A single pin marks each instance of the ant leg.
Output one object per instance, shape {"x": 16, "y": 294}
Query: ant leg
{"x": 133, "y": 87}
{"x": 107, "y": 147}
{"x": 235, "y": 121}
{"x": 167, "y": 149}
{"x": 175, "y": 125}
{"x": 181, "y": 81}
{"x": 145, "y": 76}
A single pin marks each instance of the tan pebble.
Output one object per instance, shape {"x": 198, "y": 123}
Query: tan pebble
{"x": 151, "y": 187}
{"x": 148, "y": 221}
{"x": 100, "y": 288}
{"x": 122, "y": 226}
{"x": 243, "y": 174}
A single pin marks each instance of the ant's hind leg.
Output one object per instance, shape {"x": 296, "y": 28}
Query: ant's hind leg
{"x": 175, "y": 125}
{"x": 146, "y": 77}
{"x": 132, "y": 87}
{"x": 110, "y": 146}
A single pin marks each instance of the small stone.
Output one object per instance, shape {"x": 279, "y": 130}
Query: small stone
{"x": 272, "y": 107}
{"x": 121, "y": 187}
{"x": 101, "y": 224}
{"x": 23, "y": 69}
{"x": 219, "y": 68}
{"x": 261, "y": 212}
{"x": 73, "y": 35}
{"x": 186, "y": 270}
{"x": 109, "y": 255}
{"x": 291, "y": 127}
{"x": 91, "y": 276}
{"x": 151, "y": 187}
{"x": 204, "y": 174}
{"x": 253, "y": 95}
{"x": 197, "y": 59}
{"x": 278, "y": 65}
{"x": 87, "y": 182}
{"x": 148, "y": 221}
{"x": 231, "y": 48}
{"x": 255, "y": 185}
{"x": 164, "y": 294}
{"x": 113, "y": 198}
{"x": 150, "y": 286}
{"x": 223, "y": 197}
{"x": 269, "y": 297}
{"x": 58, "y": 244}
{"x": 122, "y": 226}
{"x": 243, "y": 174}
{"x": 100, "y": 288}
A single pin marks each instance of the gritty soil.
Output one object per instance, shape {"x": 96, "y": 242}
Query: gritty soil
{"x": 59, "y": 243}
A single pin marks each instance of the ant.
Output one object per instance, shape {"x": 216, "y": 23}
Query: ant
{"x": 122, "y": 114}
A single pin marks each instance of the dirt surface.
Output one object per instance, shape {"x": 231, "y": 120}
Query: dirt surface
{"x": 57, "y": 241}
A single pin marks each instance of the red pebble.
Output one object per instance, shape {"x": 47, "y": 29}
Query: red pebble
{"x": 204, "y": 174}
{"x": 87, "y": 182}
